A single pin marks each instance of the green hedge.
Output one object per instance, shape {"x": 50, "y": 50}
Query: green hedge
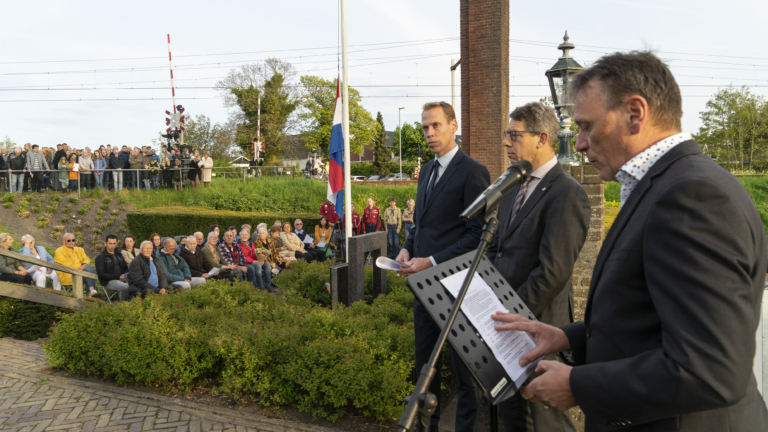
{"x": 173, "y": 221}
{"x": 26, "y": 320}
{"x": 252, "y": 346}
{"x": 366, "y": 168}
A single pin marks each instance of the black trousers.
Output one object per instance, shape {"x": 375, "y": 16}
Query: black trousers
{"x": 14, "y": 278}
{"x": 308, "y": 257}
{"x": 37, "y": 181}
{"x": 427, "y": 332}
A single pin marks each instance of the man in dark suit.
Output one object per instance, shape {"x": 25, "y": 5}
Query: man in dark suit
{"x": 451, "y": 182}
{"x": 668, "y": 338}
{"x": 542, "y": 227}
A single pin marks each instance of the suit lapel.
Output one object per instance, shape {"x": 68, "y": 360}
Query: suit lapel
{"x": 441, "y": 182}
{"x": 530, "y": 203}
{"x": 505, "y": 211}
{"x": 423, "y": 185}
{"x": 683, "y": 149}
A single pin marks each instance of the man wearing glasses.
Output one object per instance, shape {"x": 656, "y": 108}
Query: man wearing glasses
{"x": 74, "y": 257}
{"x": 542, "y": 227}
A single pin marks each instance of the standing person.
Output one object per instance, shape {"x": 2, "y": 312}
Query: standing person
{"x": 185, "y": 158}
{"x": 453, "y": 182}
{"x": 116, "y": 164}
{"x": 408, "y": 216}
{"x": 125, "y": 155}
{"x": 16, "y": 164}
{"x": 162, "y": 155}
{"x": 112, "y": 268}
{"x": 98, "y": 165}
{"x": 668, "y": 337}
{"x": 310, "y": 166}
{"x": 371, "y": 217}
{"x": 357, "y": 225}
{"x": 3, "y": 180}
{"x": 55, "y": 166}
{"x": 194, "y": 171}
{"x": 328, "y": 210}
{"x": 393, "y": 218}
{"x": 74, "y": 257}
{"x": 27, "y": 175}
{"x": 74, "y": 169}
{"x": 135, "y": 161}
{"x": 35, "y": 164}
{"x": 154, "y": 171}
{"x": 86, "y": 169}
{"x": 177, "y": 175}
{"x": 63, "y": 174}
{"x": 549, "y": 209}
{"x": 207, "y": 169}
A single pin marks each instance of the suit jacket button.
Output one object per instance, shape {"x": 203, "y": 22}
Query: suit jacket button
{"x": 499, "y": 254}
{"x": 589, "y": 333}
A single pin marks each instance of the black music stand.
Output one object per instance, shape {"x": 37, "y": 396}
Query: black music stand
{"x": 477, "y": 356}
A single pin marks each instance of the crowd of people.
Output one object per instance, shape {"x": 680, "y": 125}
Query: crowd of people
{"x": 35, "y": 169}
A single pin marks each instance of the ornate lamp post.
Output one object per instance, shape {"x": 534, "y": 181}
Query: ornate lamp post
{"x": 558, "y": 76}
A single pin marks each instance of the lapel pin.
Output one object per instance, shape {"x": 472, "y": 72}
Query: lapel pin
{"x": 544, "y": 188}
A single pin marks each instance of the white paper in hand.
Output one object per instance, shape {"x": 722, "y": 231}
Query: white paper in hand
{"x": 507, "y": 346}
{"x": 390, "y": 264}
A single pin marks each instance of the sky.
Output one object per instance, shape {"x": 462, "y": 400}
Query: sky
{"x": 90, "y": 73}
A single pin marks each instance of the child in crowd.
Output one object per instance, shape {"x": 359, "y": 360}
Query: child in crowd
{"x": 63, "y": 174}
{"x": 177, "y": 175}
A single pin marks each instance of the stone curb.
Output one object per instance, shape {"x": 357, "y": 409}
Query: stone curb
{"x": 225, "y": 413}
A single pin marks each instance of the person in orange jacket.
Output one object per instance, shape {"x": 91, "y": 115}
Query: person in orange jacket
{"x": 357, "y": 225}
{"x": 371, "y": 218}
{"x": 328, "y": 210}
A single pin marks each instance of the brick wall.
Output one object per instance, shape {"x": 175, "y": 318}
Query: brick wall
{"x": 582, "y": 271}
{"x": 485, "y": 81}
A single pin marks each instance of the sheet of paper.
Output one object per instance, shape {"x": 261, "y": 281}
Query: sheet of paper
{"x": 479, "y": 303}
{"x": 214, "y": 271}
{"x": 321, "y": 244}
{"x": 307, "y": 240}
{"x": 387, "y": 264}
{"x": 76, "y": 167}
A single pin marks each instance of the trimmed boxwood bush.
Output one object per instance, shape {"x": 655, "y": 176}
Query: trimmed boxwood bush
{"x": 353, "y": 360}
{"x": 173, "y": 221}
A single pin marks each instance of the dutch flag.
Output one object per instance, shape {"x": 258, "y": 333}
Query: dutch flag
{"x": 336, "y": 158}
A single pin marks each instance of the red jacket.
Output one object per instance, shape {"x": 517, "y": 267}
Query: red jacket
{"x": 372, "y": 216}
{"x": 329, "y": 210}
{"x": 357, "y": 226}
{"x": 248, "y": 253}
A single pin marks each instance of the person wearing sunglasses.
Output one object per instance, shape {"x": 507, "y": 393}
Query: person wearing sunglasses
{"x": 74, "y": 257}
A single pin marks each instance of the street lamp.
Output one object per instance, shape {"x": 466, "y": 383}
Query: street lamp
{"x": 558, "y": 76}
{"x": 400, "y": 127}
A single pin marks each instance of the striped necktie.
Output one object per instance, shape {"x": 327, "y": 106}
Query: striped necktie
{"x": 519, "y": 200}
{"x": 433, "y": 180}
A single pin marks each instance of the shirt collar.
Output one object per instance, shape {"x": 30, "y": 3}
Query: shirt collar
{"x": 636, "y": 168}
{"x": 446, "y": 159}
{"x": 541, "y": 171}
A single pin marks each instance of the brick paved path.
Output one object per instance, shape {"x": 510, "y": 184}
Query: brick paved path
{"x": 35, "y": 402}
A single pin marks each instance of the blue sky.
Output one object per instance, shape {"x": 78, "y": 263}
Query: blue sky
{"x": 707, "y": 44}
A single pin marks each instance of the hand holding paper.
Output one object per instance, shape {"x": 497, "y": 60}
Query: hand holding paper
{"x": 389, "y": 264}
{"x": 549, "y": 340}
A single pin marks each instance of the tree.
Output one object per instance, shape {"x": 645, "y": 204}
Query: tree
{"x": 7, "y": 143}
{"x": 735, "y": 129}
{"x": 318, "y": 97}
{"x": 277, "y": 106}
{"x": 381, "y": 154}
{"x": 414, "y": 143}
{"x": 254, "y": 75}
{"x": 218, "y": 140}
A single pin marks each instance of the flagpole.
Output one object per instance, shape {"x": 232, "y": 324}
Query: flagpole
{"x": 345, "y": 126}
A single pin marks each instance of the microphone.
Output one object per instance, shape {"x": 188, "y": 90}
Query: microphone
{"x": 515, "y": 175}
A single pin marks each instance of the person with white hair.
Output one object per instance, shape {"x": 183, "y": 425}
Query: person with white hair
{"x": 74, "y": 257}
{"x": 39, "y": 273}
{"x": 11, "y": 269}
{"x": 175, "y": 268}
{"x": 144, "y": 276}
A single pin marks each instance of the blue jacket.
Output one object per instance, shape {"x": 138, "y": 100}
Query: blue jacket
{"x": 99, "y": 164}
{"x": 44, "y": 255}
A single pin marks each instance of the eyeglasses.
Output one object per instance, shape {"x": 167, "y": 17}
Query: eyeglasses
{"x": 69, "y": 240}
{"x": 513, "y": 134}
{"x": 299, "y": 224}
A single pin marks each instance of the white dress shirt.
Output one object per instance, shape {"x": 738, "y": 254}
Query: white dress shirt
{"x": 635, "y": 169}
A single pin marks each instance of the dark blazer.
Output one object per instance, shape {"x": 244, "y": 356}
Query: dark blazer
{"x": 110, "y": 266}
{"x": 537, "y": 251}
{"x": 439, "y": 232}
{"x": 115, "y": 162}
{"x": 668, "y": 338}
{"x": 138, "y": 276}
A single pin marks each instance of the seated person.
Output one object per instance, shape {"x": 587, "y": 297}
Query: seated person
{"x": 261, "y": 269}
{"x": 260, "y": 226}
{"x": 274, "y": 235}
{"x": 200, "y": 240}
{"x": 234, "y": 256}
{"x": 266, "y": 243}
{"x": 74, "y": 257}
{"x": 11, "y": 269}
{"x": 212, "y": 255}
{"x": 323, "y": 233}
{"x": 298, "y": 226}
{"x": 175, "y": 268}
{"x": 193, "y": 256}
{"x": 292, "y": 242}
{"x": 39, "y": 274}
{"x": 144, "y": 276}
{"x": 111, "y": 268}
{"x": 233, "y": 230}
{"x": 129, "y": 250}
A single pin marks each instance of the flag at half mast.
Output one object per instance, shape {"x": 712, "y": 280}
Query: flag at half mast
{"x": 336, "y": 157}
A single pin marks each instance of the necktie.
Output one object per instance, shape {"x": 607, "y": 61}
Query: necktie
{"x": 433, "y": 180}
{"x": 519, "y": 200}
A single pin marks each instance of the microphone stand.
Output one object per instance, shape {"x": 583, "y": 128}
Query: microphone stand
{"x": 422, "y": 401}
